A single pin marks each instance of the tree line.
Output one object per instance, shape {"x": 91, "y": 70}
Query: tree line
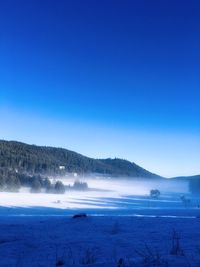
{"x": 12, "y": 182}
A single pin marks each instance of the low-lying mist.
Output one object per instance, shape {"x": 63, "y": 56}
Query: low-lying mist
{"x": 131, "y": 186}
{"x": 102, "y": 193}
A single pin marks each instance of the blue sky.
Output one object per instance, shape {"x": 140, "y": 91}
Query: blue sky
{"x": 104, "y": 78}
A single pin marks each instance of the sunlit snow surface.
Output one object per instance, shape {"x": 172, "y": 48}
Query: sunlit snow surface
{"x": 105, "y": 196}
{"x": 37, "y": 230}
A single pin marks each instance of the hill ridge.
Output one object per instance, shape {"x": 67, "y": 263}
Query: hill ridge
{"x": 32, "y": 158}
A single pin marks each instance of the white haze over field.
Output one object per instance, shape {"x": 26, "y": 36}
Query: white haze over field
{"x": 103, "y": 193}
{"x": 138, "y": 187}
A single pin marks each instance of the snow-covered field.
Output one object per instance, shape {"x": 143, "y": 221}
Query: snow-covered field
{"x": 37, "y": 230}
{"x": 103, "y": 194}
{"x": 98, "y": 241}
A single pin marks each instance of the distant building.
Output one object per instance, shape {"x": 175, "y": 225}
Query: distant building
{"x": 61, "y": 167}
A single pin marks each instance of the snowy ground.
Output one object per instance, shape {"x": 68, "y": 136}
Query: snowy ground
{"x": 105, "y": 194}
{"x": 98, "y": 241}
{"x": 36, "y": 230}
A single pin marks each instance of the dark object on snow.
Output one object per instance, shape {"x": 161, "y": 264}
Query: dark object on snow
{"x": 154, "y": 193}
{"x": 80, "y": 215}
{"x": 60, "y": 263}
{"x": 120, "y": 263}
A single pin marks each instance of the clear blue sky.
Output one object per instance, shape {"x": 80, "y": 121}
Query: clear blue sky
{"x": 105, "y": 78}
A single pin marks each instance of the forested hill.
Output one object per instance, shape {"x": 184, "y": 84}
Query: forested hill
{"x": 20, "y": 157}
